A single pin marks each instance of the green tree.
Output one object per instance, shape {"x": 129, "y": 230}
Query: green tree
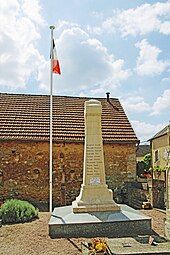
{"x": 147, "y": 161}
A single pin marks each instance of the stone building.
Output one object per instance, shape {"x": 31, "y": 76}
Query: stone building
{"x": 24, "y": 146}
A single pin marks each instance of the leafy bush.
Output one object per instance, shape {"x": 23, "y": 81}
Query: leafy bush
{"x": 147, "y": 161}
{"x": 15, "y": 211}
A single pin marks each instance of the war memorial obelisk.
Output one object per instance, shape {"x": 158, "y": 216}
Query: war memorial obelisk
{"x": 94, "y": 194}
{"x": 94, "y": 213}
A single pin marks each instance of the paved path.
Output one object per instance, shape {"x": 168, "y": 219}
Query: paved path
{"x": 140, "y": 244}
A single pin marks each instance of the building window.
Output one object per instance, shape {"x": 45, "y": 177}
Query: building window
{"x": 166, "y": 154}
{"x": 156, "y": 155}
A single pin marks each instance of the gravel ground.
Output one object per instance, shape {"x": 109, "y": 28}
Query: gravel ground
{"x": 158, "y": 218}
{"x": 32, "y": 238}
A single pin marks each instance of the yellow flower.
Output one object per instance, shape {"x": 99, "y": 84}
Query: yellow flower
{"x": 98, "y": 245}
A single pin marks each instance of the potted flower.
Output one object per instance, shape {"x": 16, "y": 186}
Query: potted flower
{"x": 147, "y": 175}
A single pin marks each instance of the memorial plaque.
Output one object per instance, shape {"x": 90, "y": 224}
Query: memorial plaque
{"x": 94, "y": 181}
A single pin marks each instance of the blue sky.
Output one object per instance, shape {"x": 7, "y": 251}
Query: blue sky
{"x": 118, "y": 46}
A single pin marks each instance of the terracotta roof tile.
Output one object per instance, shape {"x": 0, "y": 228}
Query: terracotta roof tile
{"x": 27, "y": 117}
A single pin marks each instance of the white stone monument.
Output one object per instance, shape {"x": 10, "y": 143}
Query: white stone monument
{"x": 94, "y": 212}
{"x": 94, "y": 194}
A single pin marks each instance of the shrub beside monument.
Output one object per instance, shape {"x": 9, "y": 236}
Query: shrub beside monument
{"x": 17, "y": 211}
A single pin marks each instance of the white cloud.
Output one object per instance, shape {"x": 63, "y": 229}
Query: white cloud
{"x": 165, "y": 28}
{"x": 147, "y": 62}
{"x": 135, "y": 104}
{"x": 145, "y": 131}
{"x": 85, "y": 64}
{"x": 143, "y": 19}
{"x": 63, "y": 24}
{"x": 94, "y": 30}
{"x": 18, "y": 34}
{"x": 166, "y": 79}
{"x": 32, "y": 9}
{"x": 162, "y": 103}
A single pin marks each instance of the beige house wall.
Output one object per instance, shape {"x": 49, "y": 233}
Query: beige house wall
{"x": 162, "y": 147}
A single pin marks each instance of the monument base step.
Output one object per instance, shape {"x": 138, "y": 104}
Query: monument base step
{"x": 95, "y": 208}
{"x": 64, "y": 223}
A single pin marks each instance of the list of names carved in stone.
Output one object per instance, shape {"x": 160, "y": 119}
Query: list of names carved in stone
{"x": 93, "y": 159}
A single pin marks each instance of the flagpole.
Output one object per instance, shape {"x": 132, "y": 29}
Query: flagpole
{"x": 51, "y": 126}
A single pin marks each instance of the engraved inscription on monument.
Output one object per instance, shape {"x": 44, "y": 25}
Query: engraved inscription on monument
{"x": 93, "y": 162}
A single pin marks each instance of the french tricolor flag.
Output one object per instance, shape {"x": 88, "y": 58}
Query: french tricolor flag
{"x": 56, "y": 66}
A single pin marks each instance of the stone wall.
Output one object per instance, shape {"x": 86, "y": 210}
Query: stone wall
{"x": 135, "y": 194}
{"x": 24, "y": 169}
{"x": 24, "y": 166}
{"x": 120, "y": 163}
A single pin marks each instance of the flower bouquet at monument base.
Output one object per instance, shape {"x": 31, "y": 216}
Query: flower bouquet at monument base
{"x": 97, "y": 246}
